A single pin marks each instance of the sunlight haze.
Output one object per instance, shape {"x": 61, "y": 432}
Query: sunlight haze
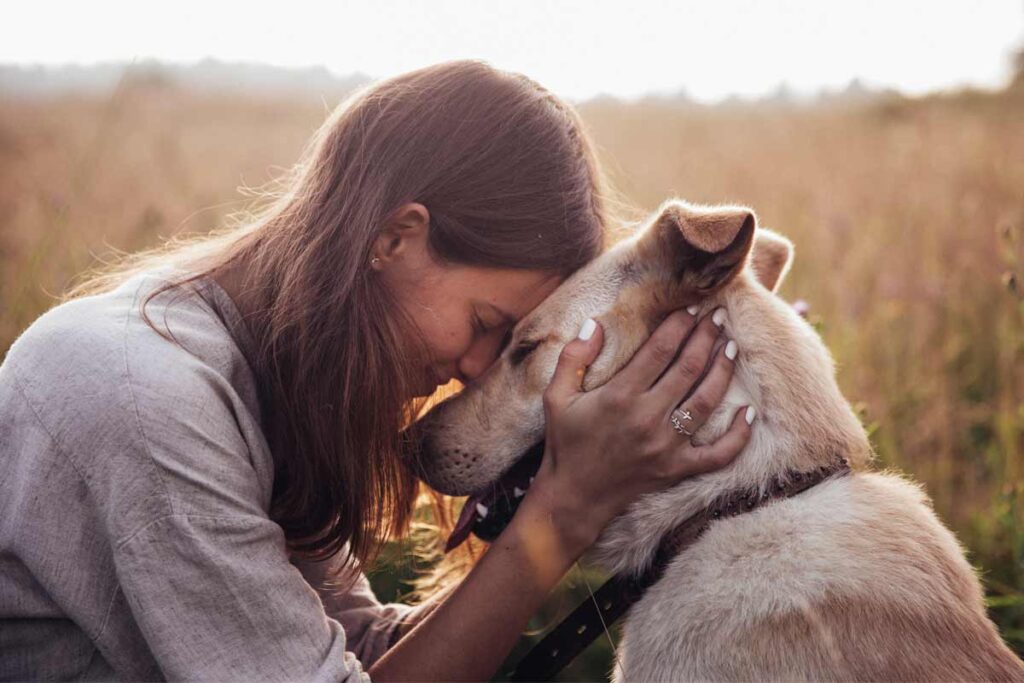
{"x": 578, "y": 49}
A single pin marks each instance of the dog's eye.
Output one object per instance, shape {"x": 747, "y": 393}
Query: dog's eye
{"x": 521, "y": 351}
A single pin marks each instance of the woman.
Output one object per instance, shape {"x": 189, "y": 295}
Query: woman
{"x": 197, "y": 457}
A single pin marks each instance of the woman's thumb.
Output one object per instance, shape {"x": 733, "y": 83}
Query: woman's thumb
{"x": 574, "y": 360}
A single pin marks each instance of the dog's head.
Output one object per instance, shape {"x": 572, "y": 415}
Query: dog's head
{"x": 686, "y": 254}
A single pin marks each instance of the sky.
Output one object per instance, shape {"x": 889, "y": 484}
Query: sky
{"x": 577, "y": 48}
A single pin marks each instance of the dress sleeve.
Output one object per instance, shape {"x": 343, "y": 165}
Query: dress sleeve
{"x": 371, "y": 627}
{"x": 204, "y": 570}
{"x": 217, "y": 599}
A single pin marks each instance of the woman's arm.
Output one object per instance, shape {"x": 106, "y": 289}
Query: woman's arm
{"x": 601, "y": 454}
{"x": 472, "y": 631}
{"x": 371, "y": 627}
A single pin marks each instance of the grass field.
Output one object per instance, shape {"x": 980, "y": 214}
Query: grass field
{"x": 908, "y": 218}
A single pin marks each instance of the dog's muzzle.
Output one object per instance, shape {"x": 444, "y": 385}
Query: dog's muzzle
{"x": 486, "y": 514}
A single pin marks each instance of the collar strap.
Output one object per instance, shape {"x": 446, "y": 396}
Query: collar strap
{"x": 563, "y": 643}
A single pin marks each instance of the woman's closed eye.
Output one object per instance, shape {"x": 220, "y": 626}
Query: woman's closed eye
{"x": 481, "y": 328}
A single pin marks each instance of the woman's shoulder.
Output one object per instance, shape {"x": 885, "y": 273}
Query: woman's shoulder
{"x": 109, "y": 388}
{"x": 104, "y": 354}
{"x": 77, "y": 329}
{"x": 103, "y": 339}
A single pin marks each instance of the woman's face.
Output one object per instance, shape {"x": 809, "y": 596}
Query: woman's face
{"x": 465, "y": 315}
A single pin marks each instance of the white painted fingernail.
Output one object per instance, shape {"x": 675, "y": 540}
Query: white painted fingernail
{"x": 731, "y": 350}
{"x": 481, "y": 510}
{"x": 751, "y": 414}
{"x": 718, "y": 317}
{"x": 693, "y": 310}
{"x": 518, "y": 492}
{"x": 587, "y": 331}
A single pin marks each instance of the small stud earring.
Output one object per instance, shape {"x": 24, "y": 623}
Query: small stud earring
{"x": 375, "y": 261}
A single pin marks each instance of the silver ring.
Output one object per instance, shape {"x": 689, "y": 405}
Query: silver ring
{"x": 677, "y": 418}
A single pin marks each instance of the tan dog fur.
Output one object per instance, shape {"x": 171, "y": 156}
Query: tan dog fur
{"x": 855, "y": 579}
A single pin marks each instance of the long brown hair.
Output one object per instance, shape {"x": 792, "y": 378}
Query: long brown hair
{"x": 509, "y": 179}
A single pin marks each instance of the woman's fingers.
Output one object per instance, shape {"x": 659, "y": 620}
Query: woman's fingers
{"x": 700, "y": 459}
{"x": 692, "y": 413}
{"x": 613, "y": 447}
{"x": 572, "y": 365}
{"x": 681, "y": 378}
{"x": 650, "y": 361}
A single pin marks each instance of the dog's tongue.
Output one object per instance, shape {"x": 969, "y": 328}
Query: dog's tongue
{"x": 464, "y": 525}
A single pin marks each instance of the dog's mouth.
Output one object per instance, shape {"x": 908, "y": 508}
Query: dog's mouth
{"x": 486, "y": 514}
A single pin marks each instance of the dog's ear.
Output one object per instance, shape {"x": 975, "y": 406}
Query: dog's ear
{"x": 707, "y": 246}
{"x": 771, "y": 257}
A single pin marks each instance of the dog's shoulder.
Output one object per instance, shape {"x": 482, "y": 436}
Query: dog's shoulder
{"x": 822, "y": 575}
{"x": 866, "y": 533}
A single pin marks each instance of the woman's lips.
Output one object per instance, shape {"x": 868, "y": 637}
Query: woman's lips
{"x": 430, "y": 383}
{"x": 439, "y": 378}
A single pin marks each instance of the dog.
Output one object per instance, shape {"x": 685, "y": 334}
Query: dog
{"x": 853, "y": 579}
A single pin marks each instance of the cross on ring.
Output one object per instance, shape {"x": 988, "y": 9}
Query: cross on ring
{"x": 677, "y": 418}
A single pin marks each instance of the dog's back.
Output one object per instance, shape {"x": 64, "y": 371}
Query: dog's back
{"x": 854, "y": 579}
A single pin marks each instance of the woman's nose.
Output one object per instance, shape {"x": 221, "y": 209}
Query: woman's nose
{"x": 481, "y": 355}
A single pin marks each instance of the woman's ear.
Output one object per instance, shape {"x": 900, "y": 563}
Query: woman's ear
{"x": 404, "y": 238}
{"x": 771, "y": 258}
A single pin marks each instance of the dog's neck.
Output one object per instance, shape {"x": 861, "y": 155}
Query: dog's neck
{"x": 803, "y": 422}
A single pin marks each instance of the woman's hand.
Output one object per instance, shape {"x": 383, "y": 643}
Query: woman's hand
{"x": 606, "y": 447}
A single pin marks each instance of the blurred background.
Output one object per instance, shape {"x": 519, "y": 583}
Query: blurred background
{"x": 885, "y": 138}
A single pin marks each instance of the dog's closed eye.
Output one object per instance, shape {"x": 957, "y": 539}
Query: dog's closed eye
{"x": 521, "y": 351}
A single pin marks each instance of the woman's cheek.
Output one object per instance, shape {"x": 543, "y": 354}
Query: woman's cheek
{"x": 450, "y": 343}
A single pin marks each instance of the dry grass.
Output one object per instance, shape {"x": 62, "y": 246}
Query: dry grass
{"x": 908, "y": 217}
